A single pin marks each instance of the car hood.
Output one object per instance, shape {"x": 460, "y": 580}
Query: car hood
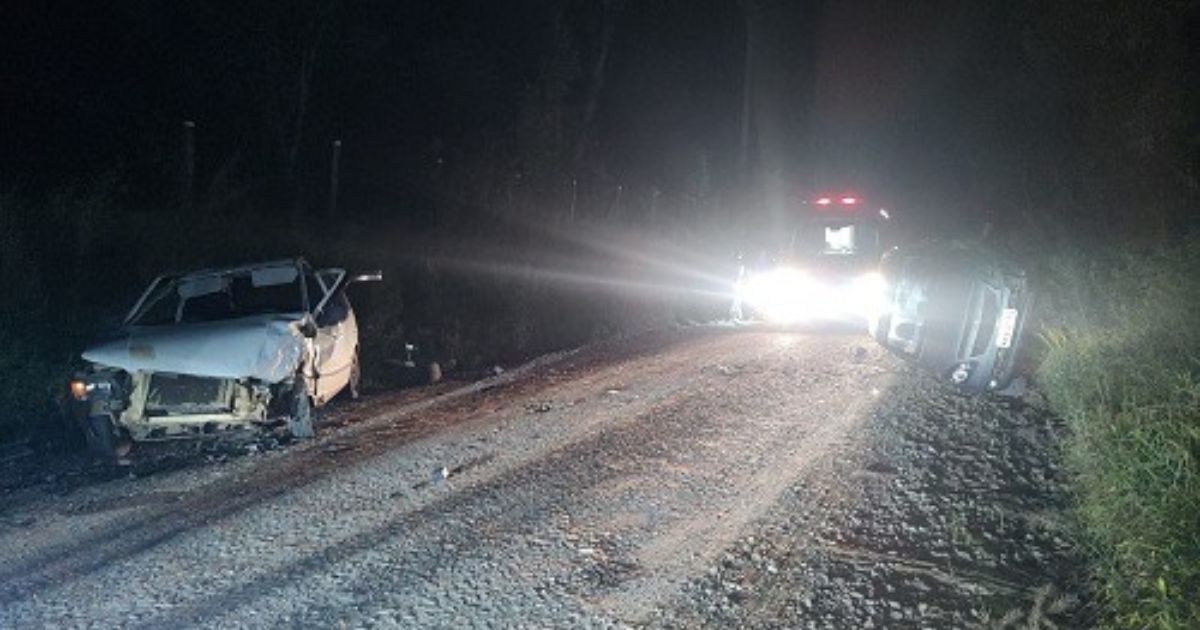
{"x": 264, "y": 347}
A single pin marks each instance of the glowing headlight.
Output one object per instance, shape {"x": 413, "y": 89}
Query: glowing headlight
{"x": 83, "y": 389}
{"x": 79, "y": 389}
{"x": 782, "y": 295}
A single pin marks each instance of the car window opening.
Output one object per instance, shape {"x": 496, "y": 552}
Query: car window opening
{"x": 222, "y": 297}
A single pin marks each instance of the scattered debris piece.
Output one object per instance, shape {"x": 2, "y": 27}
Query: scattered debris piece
{"x": 435, "y": 372}
{"x": 337, "y": 447}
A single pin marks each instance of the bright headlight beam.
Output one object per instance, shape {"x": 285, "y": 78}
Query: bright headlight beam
{"x": 782, "y": 296}
{"x": 789, "y": 296}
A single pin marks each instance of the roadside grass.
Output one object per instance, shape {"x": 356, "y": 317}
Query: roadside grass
{"x": 1121, "y": 363}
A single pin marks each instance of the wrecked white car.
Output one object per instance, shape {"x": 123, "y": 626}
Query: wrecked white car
{"x": 219, "y": 349}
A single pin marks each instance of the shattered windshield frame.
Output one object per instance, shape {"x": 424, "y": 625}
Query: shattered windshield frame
{"x": 222, "y": 295}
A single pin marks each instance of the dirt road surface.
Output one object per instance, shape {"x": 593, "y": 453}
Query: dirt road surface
{"x": 716, "y": 477}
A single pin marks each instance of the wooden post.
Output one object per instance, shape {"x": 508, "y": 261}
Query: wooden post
{"x": 333, "y": 177}
{"x": 616, "y": 203}
{"x": 187, "y": 180}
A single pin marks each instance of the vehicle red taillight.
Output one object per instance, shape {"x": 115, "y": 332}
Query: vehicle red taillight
{"x": 849, "y": 201}
{"x": 824, "y": 201}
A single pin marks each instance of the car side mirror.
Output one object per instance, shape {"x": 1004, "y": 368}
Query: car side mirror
{"x": 368, "y": 276}
{"x": 308, "y": 328}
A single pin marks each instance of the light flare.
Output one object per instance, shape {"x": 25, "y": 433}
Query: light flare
{"x": 783, "y": 295}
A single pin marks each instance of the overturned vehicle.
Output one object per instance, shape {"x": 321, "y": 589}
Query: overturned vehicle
{"x": 955, "y": 309}
{"x": 241, "y": 347}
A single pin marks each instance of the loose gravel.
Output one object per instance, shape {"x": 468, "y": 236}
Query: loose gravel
{"x": 722, "y": 478}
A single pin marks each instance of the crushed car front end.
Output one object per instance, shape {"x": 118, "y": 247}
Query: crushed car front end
{"x": 148, "y": 405}
{"x": 200, "y": 353}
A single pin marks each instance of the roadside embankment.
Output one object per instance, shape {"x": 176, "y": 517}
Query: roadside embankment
{"x": 1121, "y": 365}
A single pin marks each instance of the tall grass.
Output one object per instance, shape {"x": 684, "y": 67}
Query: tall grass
{"x": 1122, "y": 366}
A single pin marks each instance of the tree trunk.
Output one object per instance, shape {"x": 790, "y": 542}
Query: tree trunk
{"x": 747, "y": 126}
{"x": 591, "y": 102}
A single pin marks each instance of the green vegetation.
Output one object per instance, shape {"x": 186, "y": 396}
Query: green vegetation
{"x": 1122, "y": 366}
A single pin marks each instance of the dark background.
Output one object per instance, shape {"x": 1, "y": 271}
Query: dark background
{"x": 534, "y": 173}
{"x": 947, "y": 110}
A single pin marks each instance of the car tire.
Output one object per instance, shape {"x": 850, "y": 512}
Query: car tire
{"x": 100, "y": 434}
{"x": 354, "y": 387}
{"x": 300, "y": 411}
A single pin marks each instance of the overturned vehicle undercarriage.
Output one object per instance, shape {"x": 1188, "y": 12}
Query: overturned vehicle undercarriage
{"x": 217, "y": 349}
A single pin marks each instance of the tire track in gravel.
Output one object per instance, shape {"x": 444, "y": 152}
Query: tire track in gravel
{"x": 223, "y": 502}
{"x": 524, "y": 532}
{"x": 225, "y": 498}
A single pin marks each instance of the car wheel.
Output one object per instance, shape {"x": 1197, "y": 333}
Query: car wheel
{"x": 300, "y": 414}
{"x": 355, "y": 377}
{"x": 101, "y": 435}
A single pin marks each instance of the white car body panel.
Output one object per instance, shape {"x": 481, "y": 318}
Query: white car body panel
{"x": 335, "y": 348}
{"x": 264, "y": 347}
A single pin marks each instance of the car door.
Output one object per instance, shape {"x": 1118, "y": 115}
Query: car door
{"x": 336, "y": 344}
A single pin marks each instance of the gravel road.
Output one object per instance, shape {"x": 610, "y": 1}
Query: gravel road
{"x": 699, "y": 477}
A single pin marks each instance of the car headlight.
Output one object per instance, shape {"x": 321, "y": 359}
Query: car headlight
{"x": 782, "y": 295}
{"x": 92, "y": 387}
{"x": 961, "y": 373}
{"x": 79, "y": 389}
